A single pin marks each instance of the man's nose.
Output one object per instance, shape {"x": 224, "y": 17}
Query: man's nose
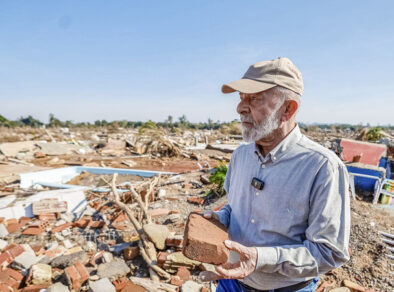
{"x": 243, "y": 107}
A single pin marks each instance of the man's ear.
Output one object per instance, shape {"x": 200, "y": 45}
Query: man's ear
{"x": 290, "y": 110}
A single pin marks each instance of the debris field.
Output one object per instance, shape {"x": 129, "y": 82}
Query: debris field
{"x": 119, "y": 221}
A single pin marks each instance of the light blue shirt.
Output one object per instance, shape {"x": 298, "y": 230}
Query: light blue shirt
{"x": 300, "y": 221}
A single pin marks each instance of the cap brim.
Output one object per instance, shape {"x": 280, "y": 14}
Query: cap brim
{"x": 248, "y": 86}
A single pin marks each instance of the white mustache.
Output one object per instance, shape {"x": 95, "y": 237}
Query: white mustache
{"x": 247, "y": 119}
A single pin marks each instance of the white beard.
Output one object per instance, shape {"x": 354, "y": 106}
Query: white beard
{"x": 262, "y": 130}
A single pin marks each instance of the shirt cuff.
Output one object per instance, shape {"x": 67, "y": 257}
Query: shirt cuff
{"x": 223, "y": 217}
{"x": 266, "y": 256}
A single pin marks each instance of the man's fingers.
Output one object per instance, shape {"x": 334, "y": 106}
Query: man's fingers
{"x": 207, "y": 276}
{"x": 235, "y": 246}
{"x": 229, "y": 266}
{"x": 208, "y": 214}
{"x": 236, "y": 273}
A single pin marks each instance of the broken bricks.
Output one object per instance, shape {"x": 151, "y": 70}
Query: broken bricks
{"x": 76, "y": 275}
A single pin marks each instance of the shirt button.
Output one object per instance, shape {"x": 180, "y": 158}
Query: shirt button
{"x": 263, "y": 166}
{"x": 274, "y": 158}
{"x": 252, "y": 220}
{"x": 257, "y": 193}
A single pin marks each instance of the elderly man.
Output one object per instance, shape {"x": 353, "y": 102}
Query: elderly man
{"x": 288, "y": 214}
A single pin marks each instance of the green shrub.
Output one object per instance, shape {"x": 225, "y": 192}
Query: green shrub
{"x": 218, "y": 178}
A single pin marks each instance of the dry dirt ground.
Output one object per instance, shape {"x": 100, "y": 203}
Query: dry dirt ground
{"x": 369, "y": 265}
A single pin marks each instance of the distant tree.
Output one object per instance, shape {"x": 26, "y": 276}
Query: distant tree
{"x": 30, "y": 121}
{"x": 122, "y": 124}
{"x": 68, "y": 124}
{"x": 169, "y": 121}
{"x": 210, "y": 124}
{"x": 3, "y": 120}
{"x": 149, "y": 125}
{"x": 182, "y": 119}
{"x": 54, "y": 122}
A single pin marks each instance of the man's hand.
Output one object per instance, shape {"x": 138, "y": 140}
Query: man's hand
{"x": 210, "y": 215}
{"x": 238, "y": 270}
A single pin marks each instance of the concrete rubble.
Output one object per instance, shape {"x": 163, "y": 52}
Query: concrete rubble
{"x": 65, "y": 225}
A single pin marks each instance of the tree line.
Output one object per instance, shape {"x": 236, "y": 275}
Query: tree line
{"x": 169, "y": 122}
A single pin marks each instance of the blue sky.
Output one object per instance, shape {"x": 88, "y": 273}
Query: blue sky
{"x": 140, "y": 60}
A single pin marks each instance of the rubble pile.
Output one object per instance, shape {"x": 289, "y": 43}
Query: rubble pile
{"x": 106, "y": 229}
{"x": 100, "y": 248}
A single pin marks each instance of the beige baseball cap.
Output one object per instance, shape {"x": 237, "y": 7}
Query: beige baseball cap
{"x": 267, "y": 74}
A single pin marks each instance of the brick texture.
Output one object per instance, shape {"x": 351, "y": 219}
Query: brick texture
{"x": 204, "y": 240}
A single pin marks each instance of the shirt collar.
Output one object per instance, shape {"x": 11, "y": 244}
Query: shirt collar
{"x": 293, "y": 137}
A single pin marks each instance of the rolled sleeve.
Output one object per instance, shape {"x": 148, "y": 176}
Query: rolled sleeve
{"x": 224, "y": 215}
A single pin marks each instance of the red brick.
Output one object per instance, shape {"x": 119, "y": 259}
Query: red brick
{"x": 76, "y": 275}
{"x": 97, "y": 224}
{"x": 54, "y": 252}
{"x": 94, "y": 205}
{"x": 39, "y": 223}
{"x": 131, "y": 287}
{"x": 14, "y": 274}
{"x": 4, "y": 288}
{"x": 161, "y": 258}
{"x": 11, "y": 221}
{"x": 35, "y": 288}
{"x": 5, "y": 257}
{"x": 121, "y": 218}
{"x": 83, "y": 272}
{"x": 24, "y": 220}
{"x": 47, "y": 216}
{"x": 61, "y": 227}
{"x": 158, "y": 212}
{"x": 176, "y": 281}
{"x": 119, "y": 226}
{"x": 82, "y": 223}
{"x": 13, "y": 227}
{"x": 73, "y": 277}
{"x": 196, "y": 200}
{"x": 183, "y": 273}
{"x": 176, "y": 242}
{"x": 204, "y": 240}
{"x": 33, "y": 231}
{"x": 120, "y": 283}
{"x": 11, "y": 278}
{"x": 14, "y": 250}
{"x": 38, "y": 249}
